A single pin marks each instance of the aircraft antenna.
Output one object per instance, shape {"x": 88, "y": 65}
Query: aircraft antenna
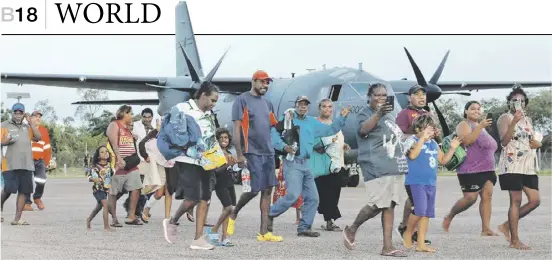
{"x": 360, "y": 66}
{"x": 18, "y": 95}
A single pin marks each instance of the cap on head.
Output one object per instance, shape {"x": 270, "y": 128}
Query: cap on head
{"x": 261, "y": 75}
{"x": 302, "y": 98}
{"x": 35, "y": 113}
{"x": 415, "y": 89}
{"x": 18, "y": 107}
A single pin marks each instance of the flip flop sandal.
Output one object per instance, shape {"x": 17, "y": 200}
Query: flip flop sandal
{"x": 336, "y": 228}
{"x": 135, "y": 222}
{"x": 395, "y": 253}
{"x": 145, "y": 218}
{"x": 19, "y": 223}
{"x": 346, "y": 241}
{"x": 116, "y": 225}
{"x": 326, "y": 228}
{"x": 208, "y": 225}
{"x": 190, "y": 217}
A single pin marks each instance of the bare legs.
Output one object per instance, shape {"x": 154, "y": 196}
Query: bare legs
{"x": 19, "y": 204}
{"x": 515, "y": 213}
{"x": 366, "y": 213}
{"x": 467, "y": 201}
{"x": 422, "y": 223}
{"x": 95, "y": 211}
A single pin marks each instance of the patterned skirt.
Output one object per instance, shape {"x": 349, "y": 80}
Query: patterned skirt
{"x": 281, "y": 188}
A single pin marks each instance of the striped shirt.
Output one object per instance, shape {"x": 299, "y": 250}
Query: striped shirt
{"x": 126, "y": 147}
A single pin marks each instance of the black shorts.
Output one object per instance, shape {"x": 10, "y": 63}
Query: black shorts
{"x": 18, "y": 181}
{"x": 171, "y": 177}
{"x": 474, "y": 182}
{"x": 100, "y": 195}
{"x": 516, "y": 182}
{"x": 224, "y": 188}
{"x": 197, "y": 183}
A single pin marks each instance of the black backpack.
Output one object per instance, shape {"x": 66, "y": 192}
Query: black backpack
{"x": 288, "y": 136}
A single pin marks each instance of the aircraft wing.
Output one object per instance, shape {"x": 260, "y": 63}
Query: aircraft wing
{"x": 117, "y": 83}
{"x": 487, "y": 85}
{"x": 111, "y": 83}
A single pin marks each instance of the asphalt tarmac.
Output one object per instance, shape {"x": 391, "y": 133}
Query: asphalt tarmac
{"x": 58, "y": 231}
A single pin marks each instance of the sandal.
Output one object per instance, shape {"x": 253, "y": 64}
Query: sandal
{"x": 145, "y": 218}
{"x": 190, "y": 217}
{"x": 20, "y": 223}
{"x": 116, "y": 225}
{"x": 135, "y": 222}
{"x": 394, "y": 253}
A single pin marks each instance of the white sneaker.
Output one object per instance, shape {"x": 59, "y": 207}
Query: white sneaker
{"x": 201, "y": 244}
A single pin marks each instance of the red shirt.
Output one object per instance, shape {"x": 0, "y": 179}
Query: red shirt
{"x": 406, "y": 117}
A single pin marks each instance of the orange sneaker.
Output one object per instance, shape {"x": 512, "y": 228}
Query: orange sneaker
{"x": 28, "y": 207}
{"x": 39, "y": 203}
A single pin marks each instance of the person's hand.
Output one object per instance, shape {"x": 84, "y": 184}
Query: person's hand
{"x": 437, "y": 132}
{"x": 428, "y": 133}
{"x": 6, "y": 138}
{"x": 485, "y": 123}
{"x": 289, "y": 149}
{"x": 242, "y": 161}
{"x": 384, "y": 109}
{"x": 345, "y": 111}
{"x": 534, "y": 144}
{"x": 518, "y": 115}
{"x": 455, "y": 143}
{"x": 346, "y": 147}
{"x": 121, "y": 163}
{"x": 28, "y": 117}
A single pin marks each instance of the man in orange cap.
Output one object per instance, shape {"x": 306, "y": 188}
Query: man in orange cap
{"x": 42, "y": 153}
{"x": 253, "y": 117}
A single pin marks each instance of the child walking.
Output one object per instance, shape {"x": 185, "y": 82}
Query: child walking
{"x": 100, "y": 174}
{"x": 224, "y": 189}
{"x": 423, "y": 154}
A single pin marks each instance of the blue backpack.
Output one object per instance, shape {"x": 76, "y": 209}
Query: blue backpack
{"x": 178, "y": 132}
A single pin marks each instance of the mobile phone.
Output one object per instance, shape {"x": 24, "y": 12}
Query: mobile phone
{"x": 517, "y": 105}
{"x": 391, "y": 101}
{"x": 490, "y": 115}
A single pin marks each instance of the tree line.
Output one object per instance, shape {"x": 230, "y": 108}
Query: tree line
{"x": 70, "y": 142}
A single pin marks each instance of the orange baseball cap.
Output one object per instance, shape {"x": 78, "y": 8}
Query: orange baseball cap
{"x": 261, "y": 75}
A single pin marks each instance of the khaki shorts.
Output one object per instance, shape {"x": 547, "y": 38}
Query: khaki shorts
{"x": 385, "y": 190}
{"x": 129, "y": 182}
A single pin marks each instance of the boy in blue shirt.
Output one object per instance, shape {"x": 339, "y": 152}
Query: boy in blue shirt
{"x": 423, "y": 154}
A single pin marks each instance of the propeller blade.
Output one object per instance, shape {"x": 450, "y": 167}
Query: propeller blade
{"x": 419, "y": 76}
{"x": 442, "y": 120}
{"x": 193, "y": 72}
{"x": 439, "y": 70}
{"x": 459, "y": 93}
{"x": 211, "y": 74}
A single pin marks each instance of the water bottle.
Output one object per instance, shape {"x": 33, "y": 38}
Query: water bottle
{"x": 291, "y": 156}
{"x": 246, "y": 180}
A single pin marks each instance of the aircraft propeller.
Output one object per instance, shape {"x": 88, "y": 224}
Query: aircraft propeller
{"x": 432, "y": 89}
{"x": 193, "y": 72}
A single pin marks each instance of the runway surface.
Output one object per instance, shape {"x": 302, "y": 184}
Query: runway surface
{"x": 58, "y": 232}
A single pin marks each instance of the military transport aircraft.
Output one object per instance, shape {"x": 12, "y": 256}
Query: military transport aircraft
{"x": 344, "y": 86}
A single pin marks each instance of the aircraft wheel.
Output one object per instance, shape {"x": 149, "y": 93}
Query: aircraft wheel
{"x": 353, "y": 181}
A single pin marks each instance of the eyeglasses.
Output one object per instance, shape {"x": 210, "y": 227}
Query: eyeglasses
{"x": 518, "y": 100}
